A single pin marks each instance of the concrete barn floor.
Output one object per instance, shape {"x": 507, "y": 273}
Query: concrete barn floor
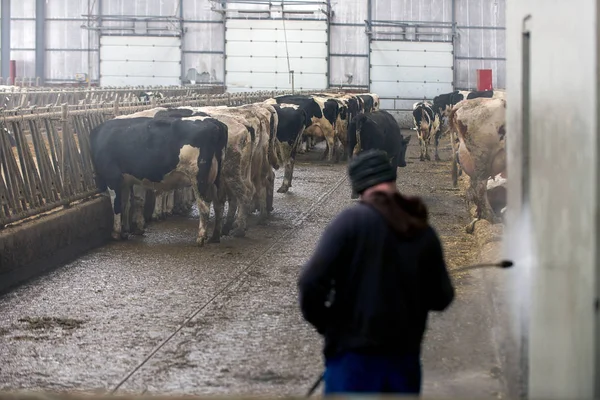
{"x": 155, "y": 314}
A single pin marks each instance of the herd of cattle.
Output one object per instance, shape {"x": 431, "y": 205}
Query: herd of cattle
{"x": 476, "y": 123}
{"x": 229, "y": 154}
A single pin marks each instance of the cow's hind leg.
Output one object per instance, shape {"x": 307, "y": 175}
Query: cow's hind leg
{"x": 203, "y": 211}
{"x": 422, "y": 146}
{"x": 137, "y": 215}
{"x": 287, "y": 176}
{"x": 232, "y": 208}
{"x": 240, "y": 199}
{"x": 157, "y": 214}
{"x": 270, "y": 190}
{"x": 218, "y": 205}
{"x": 437, "y": 144}
{"x": 126, "y": 217}
{"x": 455, "y": 169}
{"x": 329, "y": 151}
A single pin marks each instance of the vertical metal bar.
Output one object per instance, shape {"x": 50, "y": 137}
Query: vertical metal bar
{"x": 100, "y": 10}
{"x": 182, "y": 41}
{"x": 454, "y": 66}
{"x": 328, "y": 44}
{"x": 5, "y": 41}
{"x": 40, "y": 40}
{"x": 525, "y": 182}
{"x": 224, "y": 7}
{"x": 597, "y": 301}
{"x": 370, "y": 39}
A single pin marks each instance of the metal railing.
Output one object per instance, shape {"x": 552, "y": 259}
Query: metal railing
{"x": 12, "y": 97}
{"x": 45, "y": 157}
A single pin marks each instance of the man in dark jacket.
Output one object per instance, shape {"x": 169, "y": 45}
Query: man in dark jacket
{"x": 376, "y": 273}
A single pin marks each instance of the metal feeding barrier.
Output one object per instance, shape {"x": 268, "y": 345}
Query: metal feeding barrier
{"x": 45, "y": 155}
{"x": 12, "y": 97}
{"x": 502, "y": 264}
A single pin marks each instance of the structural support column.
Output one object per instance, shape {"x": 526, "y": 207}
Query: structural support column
{"x": 5, "y": 43}
{"x": 40, "y": 40}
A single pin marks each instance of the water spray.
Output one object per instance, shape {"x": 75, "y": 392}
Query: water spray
{"x": 504, "y": 264}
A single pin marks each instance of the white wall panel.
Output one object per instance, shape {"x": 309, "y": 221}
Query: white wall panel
{"x": 22, "y": 34}
{"x": 140, "y": 7}
{"x": 349, "y": 11}
{"x": 257, "y": 54}
{"x": 69, "y": 8}
{"x": 349, "y": 40}
{"x": 67, "y": 35}
{"x": 63, "y": 65}
{"x": 22, "y": 9}
{"x": 144, "y": 60}
{"x": 203, "y": 37}
{"x": 410, "y": 70}
{"x": 209, "y": 67}
{"x": 25, "y": 63}
{"x": 199, "y": 10}
{"x": 349, "y": 71}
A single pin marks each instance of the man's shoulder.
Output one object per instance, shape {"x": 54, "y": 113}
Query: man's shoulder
{"x": 358, "y": 212}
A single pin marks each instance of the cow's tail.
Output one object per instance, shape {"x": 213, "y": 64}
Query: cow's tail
{"x": 452, "y": 127}
{"x": 222, "y": 148}
{"x": 273, "y": 155}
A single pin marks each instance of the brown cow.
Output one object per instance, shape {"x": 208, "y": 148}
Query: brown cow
{"x": 480, "y": 127}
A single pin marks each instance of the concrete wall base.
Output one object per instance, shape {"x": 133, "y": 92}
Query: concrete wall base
{"x": 35, "y": 247}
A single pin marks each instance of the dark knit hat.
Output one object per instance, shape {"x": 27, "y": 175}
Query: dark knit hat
{"x": 370, "y": 168}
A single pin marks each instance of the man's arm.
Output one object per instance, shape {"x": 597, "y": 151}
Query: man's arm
{"x": 440, "y": 293}
{"x": 315, "y": 281}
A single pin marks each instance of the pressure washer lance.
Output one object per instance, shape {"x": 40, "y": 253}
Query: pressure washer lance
{"x": 502, "y": 264}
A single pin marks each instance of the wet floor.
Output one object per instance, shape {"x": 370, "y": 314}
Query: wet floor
{"x": 156, "y": 314}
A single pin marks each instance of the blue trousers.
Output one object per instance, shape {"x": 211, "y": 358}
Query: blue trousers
{"x": 363, "y": 373}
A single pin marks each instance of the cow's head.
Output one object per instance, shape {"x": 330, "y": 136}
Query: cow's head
{"x": 402, "y": 153}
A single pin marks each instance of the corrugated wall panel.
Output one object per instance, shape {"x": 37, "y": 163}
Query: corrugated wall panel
{"x": 199, "y": 10}
{"x": 474, "y": 44}
{"x": 210, "y": 67}
{"x": 71, "y": 48}
{"x": 22, "y": 9}
{"x": 203, "y": 37}
{"x": 140, "y": 7}
{"x": 346, "y": 70}
{"x": 22, "y": 41}
{"x": 471, "y": 43}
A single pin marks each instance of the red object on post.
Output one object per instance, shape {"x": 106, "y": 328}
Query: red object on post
{"x": 484, "y": 79}
{"x": 12, "y": 72}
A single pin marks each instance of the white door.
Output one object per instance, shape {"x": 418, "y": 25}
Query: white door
{"x": 405, "y": 72}
{"x": 256, "y": 56}
{"x": 140, "y": 60}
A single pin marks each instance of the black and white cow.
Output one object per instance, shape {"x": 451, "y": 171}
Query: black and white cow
{"x": 147, "y": 96}
{"x": 236, "y": 184}
{"x": 370, "y": 102}
{"x": 349, "y": 107}
{"x": 321, "y": 115}
{"x": 427, "y": 124}
{"x": 292, "y": 122}
{"x": 162, "y": 154}
{"x": 377, "y": 130}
